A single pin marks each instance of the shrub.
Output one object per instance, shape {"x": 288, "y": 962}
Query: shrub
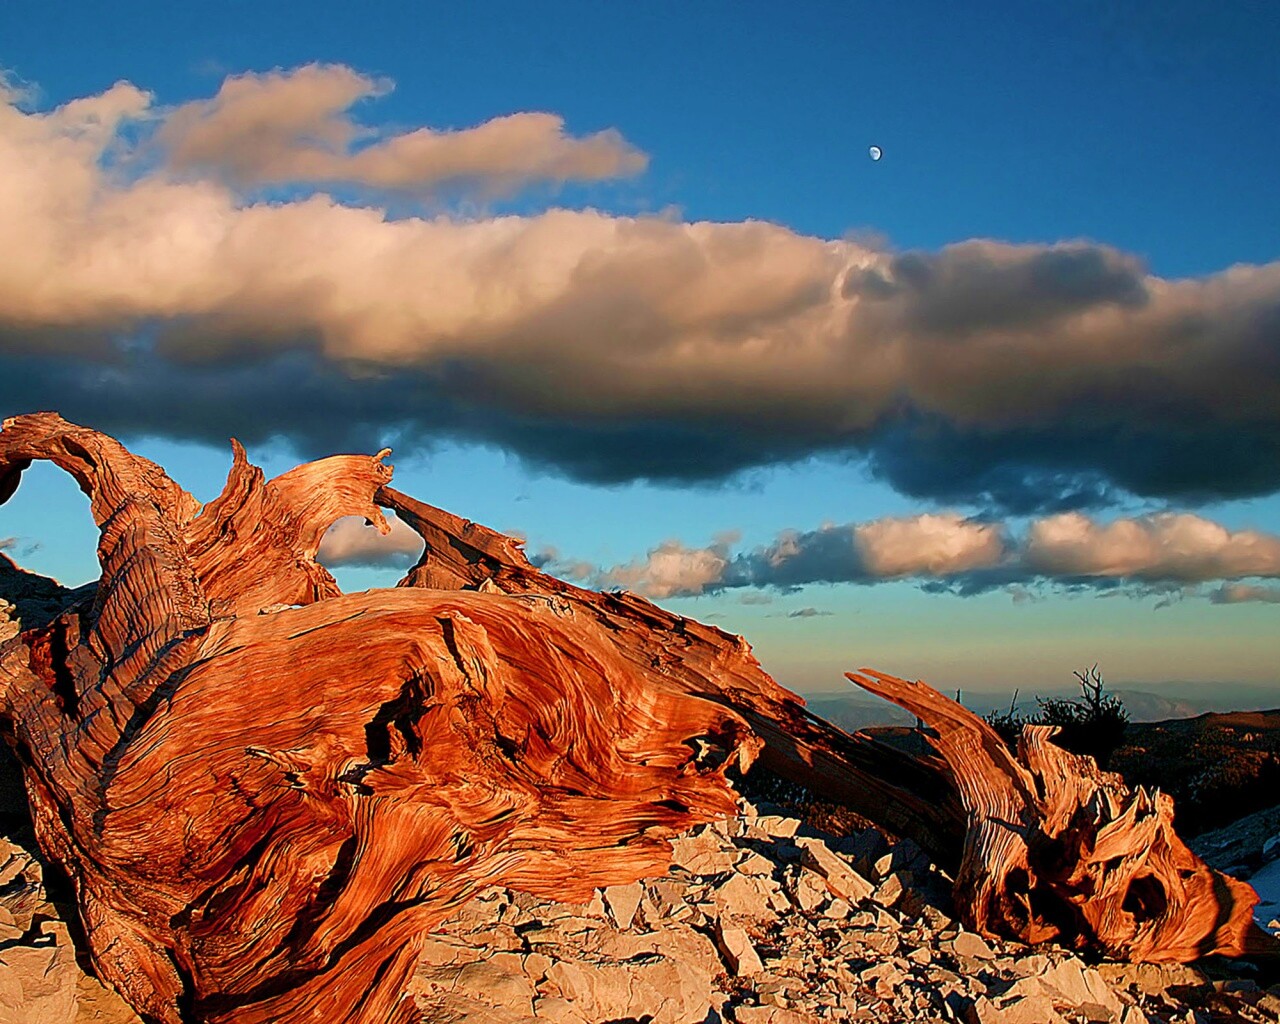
{"x": 1093, "y": 723}
{"x": 1008, "y": 724}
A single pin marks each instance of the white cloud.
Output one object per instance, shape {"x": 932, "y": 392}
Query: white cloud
{"x": 293, "y": 126}
{"x": 610, "y": 347}
{"x": 670, "y": 570}
{"x": 934, "y": 545}
{"x": 1174, "y": 547}
{"x": 1166, "y": 552}
{"x": 351, "y": 541}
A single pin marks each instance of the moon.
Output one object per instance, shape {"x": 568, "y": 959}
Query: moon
{"x": 876, "y": 152}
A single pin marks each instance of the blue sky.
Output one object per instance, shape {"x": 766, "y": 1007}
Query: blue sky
{"x": 1118, "y": 153}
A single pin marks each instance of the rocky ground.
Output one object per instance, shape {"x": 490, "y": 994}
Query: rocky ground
{"x": 761, "y": 920}
{"x": 41, "y": 981}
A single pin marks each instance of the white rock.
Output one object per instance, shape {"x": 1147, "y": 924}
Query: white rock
{"x": 971, "y": 945}
{"x": 776, "y": 825}
{"x": 703, "y": 854}
{"x": 1071, "y": 983}
{"x": 739, "y": 954}
{"x": 752, "y": 863}
{"x": 889, "y": 892}
{"x": 748, "y": 897}
{"x": 1151, "y": 979}
{"x": 841, "y": 879}
{"x": 623, "y": 901}
{"x": 809, "y": 894}
{"x": 769, "y": 1015}
{"x": 37, "y": 985}
{"x": 1034, "y": 1009}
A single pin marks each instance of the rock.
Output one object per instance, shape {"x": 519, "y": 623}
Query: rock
{"x": 884, "y": 978}
{"x": 769, "y": 1015}
{"x": 841, "y": 879}
{"x": 1036, "y": 1009}
{"x": 863, "y": 848}
{"x": 890, "y": 891}
{"x": 38, "y": 984}
{"x": 702, "y": 854}
{"x": 623, "y": 901}
{"x": 1030, "y": 966}
{"x": 10, "y": 624}
{"x": 748, "y": 897}
{"x": 1152, "y": 979}
{"x": 97, "y": 1004}
{"x": 774, "y": 825}
{"x": 739, "y": 954}
{"x": 1071, "y": 983}
{"x": 809, "y": 894}
{"x": 753, "y": 864}
{"x": 906, "y": 855}
{"x": 561, "y": 1011}
{"x": 968, "y": 944}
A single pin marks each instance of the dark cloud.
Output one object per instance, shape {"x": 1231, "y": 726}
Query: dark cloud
{"x": 808, "y": 613}
{"x": 1085, "y": 460}
{"x": 975, "y": 286}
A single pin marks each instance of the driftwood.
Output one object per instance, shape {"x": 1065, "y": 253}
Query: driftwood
{"x": 266, "y": 792}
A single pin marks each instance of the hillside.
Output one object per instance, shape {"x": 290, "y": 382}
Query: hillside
{"x": 1217, "y": 767}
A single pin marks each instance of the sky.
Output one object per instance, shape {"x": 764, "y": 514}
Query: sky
{"x": 624, "y": 280}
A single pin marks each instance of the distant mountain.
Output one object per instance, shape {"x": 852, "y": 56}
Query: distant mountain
{"x": 853, "y": 713}
{"x": 1163, "y": 702}
{"x": 1144, "y": 706}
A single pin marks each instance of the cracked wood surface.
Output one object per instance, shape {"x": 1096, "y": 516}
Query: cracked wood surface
{"x": 267, "y": 792}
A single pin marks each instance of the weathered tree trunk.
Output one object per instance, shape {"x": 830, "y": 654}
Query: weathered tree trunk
{"x": 1057, "y": 849}
{"x": 267, "y": 792}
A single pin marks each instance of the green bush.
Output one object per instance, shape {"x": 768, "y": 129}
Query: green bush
{"x": 1093, "y": 723}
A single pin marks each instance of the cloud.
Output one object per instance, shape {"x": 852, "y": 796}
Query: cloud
{"x": 548, "y": 559}
{"x": 1164, "y": 555}
{"x": 166, "y": 300}
{"x": 928, "y": 544}
{"x": 6, "y": 543}
{"x": 807, "y": 613}
{"x": 351, "y": 541}
{"x": 1174, "y": 547}
{"x": 1238, "y": 593}
{"x": 890, "y": 548}
{"x": 670, "y": 570}
{"x": 291, "y": 127}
